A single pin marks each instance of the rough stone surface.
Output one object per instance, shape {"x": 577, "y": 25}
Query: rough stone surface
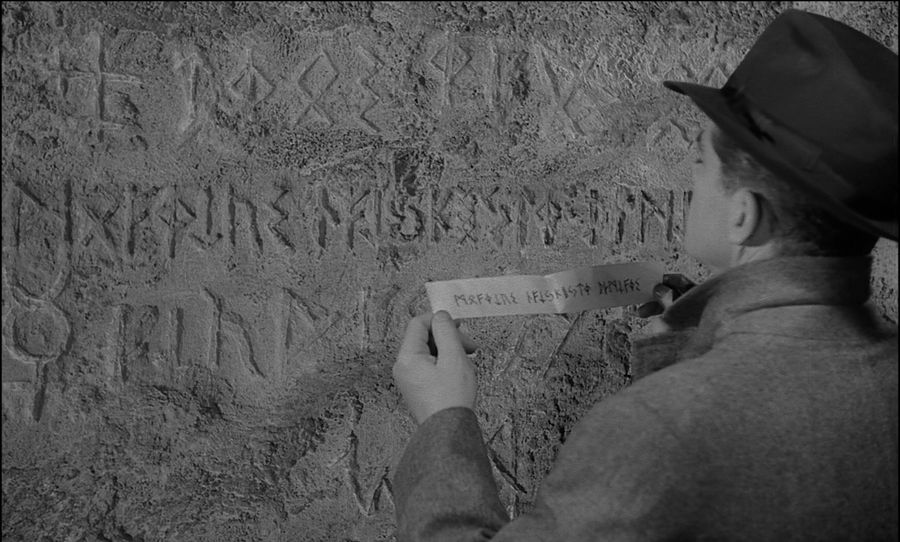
{"x": 218, "y": 217}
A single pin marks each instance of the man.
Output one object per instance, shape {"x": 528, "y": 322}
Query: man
{"x": 769, "y": 406}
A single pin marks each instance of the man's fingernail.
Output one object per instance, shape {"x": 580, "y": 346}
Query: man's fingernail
{"x": 442, "y": 315}
{"x": 661, "y": 290}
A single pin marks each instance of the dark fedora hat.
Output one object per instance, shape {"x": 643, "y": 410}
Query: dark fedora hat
{"x": 815, "y": 102}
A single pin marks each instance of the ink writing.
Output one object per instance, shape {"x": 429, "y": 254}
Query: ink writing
{"x": 619, "y": 286}
{"x": 565, "y": 292}
{"x": 466, "y": 300}
{"x": 575, "y": 290}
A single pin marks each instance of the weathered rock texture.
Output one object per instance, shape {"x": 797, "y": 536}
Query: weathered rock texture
{"x": 218, "y": 218}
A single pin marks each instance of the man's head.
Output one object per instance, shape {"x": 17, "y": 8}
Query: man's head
{"x": 740, "y": 211}
{"x": 801, "y": 157}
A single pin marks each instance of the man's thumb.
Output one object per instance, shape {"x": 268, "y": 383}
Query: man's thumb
{"x": 446, "y": 336}
{"x": 663, "y": 295}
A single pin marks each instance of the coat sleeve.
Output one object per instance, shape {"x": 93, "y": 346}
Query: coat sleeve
{"x": 444, "y": 488}
{"x": 623, "y": 475}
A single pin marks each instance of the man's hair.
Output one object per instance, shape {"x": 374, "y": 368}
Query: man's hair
{"x": 800, "y": 227}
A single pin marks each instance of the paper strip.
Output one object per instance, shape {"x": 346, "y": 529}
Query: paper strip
{"x": 575, "y": 290}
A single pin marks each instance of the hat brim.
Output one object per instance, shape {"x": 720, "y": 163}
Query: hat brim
{"x": 711, "y": 101}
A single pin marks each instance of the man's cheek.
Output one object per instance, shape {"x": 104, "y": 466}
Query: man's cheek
{"x": 691, "y": 228}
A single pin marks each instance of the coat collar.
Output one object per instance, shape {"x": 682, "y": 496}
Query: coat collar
{"x": 775, "y": 282}
{"x": 731, "y": 300}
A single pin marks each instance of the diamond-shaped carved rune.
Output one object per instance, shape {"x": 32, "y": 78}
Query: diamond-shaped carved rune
{"x": 450, "y": 59}
{"x": 318, "y": 77}
{"x": 249, "y": 84}
{"x": 314, "y": 83}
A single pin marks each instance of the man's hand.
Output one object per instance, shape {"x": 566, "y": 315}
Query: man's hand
{"x": 432, "y": 370}
{"x": 664, "y": 294}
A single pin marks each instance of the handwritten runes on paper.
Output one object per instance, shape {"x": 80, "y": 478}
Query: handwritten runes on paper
{"x": 575, "y": 290}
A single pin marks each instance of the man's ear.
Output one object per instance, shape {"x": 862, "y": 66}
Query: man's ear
{"x": 748, "y": 224}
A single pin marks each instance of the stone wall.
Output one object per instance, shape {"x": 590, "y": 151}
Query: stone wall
{"x": 218, "y": 218}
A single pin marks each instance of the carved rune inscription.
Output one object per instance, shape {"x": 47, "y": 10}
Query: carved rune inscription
{"x": 95, "y": 91}
{"x": 37, "y": 246}
{"x": 153, "y": 340}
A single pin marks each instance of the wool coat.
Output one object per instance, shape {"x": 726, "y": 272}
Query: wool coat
{"x": 767, "y": 413}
